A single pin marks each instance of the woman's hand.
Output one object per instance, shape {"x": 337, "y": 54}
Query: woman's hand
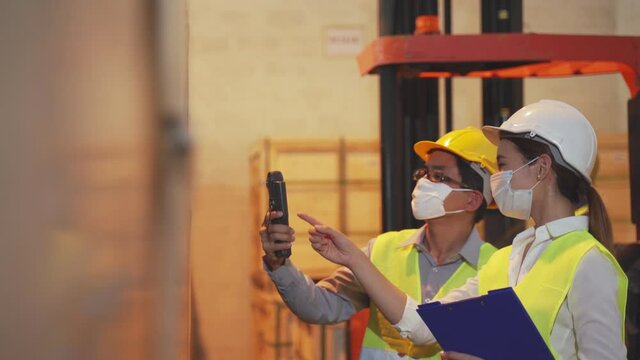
{"x": 331, "y": 243}
{"x": 336, "y": 247}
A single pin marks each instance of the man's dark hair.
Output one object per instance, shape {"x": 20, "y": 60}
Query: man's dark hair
{"x": 474, "y": 181}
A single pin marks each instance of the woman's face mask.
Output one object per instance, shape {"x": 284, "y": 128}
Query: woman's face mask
{"x": 512, "y": 203}
{"x": 428, "y": 199}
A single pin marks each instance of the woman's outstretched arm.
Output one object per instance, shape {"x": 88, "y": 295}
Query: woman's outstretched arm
{"x": 337, "y": 248}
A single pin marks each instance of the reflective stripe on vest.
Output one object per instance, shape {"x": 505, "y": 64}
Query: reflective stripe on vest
{"x": 545, "y": 287}
{"x": 400, "y": 265}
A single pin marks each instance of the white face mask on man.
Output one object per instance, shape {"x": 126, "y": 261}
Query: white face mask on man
{"x": 428, "y": 199}
{"x": 512, "y": 203}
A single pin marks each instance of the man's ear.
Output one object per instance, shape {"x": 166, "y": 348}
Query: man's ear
{"x": 474, "y": 201}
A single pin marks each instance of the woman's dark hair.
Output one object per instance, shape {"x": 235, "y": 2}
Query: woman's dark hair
{"x": 575, "y": 188}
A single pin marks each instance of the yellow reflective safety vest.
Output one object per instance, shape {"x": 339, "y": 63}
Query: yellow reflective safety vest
{"x": 400, "y": 265}
{"x": 545, "y": 287}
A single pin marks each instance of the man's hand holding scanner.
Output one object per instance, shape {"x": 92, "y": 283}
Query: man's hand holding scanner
{"x": 275, "y": 237}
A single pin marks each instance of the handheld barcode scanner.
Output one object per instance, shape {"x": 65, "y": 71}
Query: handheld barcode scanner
{"x": 278, "y": 202}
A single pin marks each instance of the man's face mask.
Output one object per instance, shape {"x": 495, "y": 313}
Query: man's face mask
{"x": 428, "y": 199}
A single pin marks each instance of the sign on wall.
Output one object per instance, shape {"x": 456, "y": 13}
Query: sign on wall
{"x": 343, "y": 40}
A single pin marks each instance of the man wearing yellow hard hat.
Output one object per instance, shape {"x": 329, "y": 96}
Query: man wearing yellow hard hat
{"x": 451, "y": 194}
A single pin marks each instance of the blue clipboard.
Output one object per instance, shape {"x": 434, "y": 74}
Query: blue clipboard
{"x": 494, "y": 327}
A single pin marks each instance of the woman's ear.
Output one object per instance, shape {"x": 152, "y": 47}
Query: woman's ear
{"x": 474, "y": 201}
{"x": 544, "y": 166}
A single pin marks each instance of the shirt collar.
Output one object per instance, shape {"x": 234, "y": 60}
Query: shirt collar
{"x": 414, "y": 239}
{"x": 552, "y": 229}
{"x": 470, "y": 250}
{"x": 562, "y": 226}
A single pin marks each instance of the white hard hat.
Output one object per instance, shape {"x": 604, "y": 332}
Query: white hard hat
{"x": 571, "y": 137}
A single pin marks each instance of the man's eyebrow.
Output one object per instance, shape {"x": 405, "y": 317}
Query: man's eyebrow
{"x": 501, "y": 157}
{"x": 436, "y": 167}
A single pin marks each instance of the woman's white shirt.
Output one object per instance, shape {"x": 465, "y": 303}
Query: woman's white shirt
{"x": 588, "y": 325}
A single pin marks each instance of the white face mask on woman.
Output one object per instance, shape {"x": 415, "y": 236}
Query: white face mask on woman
{"x": 512, "y": 203}
{"x": 428, "y": 199}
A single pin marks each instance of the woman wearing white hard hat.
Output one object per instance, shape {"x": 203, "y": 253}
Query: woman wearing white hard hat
{"x": 575, "y": 291}
{"x": 546, "y": 152}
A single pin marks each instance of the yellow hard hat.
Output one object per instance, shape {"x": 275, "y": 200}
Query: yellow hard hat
{"x": 471, "y": 145}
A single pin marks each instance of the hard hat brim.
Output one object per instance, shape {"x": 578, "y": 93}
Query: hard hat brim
{"x": 492, "y": 133}
{"x": 422, "y": 149}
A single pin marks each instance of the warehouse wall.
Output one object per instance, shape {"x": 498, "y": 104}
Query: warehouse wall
{"x": 259, "y": 69}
